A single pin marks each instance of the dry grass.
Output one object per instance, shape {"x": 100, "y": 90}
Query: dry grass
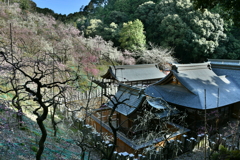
{"x": 20, "y": 143}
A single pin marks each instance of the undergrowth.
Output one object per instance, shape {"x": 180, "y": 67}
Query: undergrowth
{"x": 18, "y": 143}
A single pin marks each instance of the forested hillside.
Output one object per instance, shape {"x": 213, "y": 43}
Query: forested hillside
{"x": 48, "y": 59}
{"x": 192, "y": 34}
{"x": 37, "y": 33}
{"x": 44, "y": 62}
{"x": 195, "y": 34}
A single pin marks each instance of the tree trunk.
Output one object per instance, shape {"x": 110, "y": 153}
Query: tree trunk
{"x": 54, "y": 123}
{"x": 44, "y": 133}
{"x": 19, "y": 117}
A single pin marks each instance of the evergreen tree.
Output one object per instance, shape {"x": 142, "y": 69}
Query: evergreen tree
{"x": 132, "y": 37}
{"x": 229, "y": 8}
{"x": 193, "y": 34}
{"x": 146, "y": 13}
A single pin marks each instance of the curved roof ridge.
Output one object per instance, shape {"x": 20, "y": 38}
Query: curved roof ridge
{"x": 189, "y": 88}
{"x": 135, "y": 66}
{"x": 192, "y": 66}
{"x": 224, "y": 61}
{"x": 195, "y": 78}
{"x": 172, "y": 73}
{"x": 109, "y": 73}
{"x": 131, "y": 73}
{"x": 163, "y": 79}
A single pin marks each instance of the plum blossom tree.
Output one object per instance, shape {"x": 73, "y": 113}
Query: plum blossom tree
{"x": 162, "y": 56}
{"x": 40, "y": 48}
{"x": 33, "y": 32}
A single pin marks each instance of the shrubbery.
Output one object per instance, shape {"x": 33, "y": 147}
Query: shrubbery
{"x": 225, "y": 154}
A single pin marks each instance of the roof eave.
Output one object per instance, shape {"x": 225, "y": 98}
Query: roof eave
{"x": 109, "y": 74}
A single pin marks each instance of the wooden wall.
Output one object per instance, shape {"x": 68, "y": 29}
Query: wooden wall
{"x": 122, "y": 146}
{"x": 236, "y": 110}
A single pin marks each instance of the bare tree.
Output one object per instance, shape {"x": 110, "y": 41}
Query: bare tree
{"x": 116, "y": 102}
{"x": 79, "y": 110}
{"x": 11, "y": 82}
{"x": 162, "y": 56}
{"x": 87, "y": 138}
{"x": 35, "y": 73}
{"x": 158, "y": 124}
{"x": 152, "y": 125}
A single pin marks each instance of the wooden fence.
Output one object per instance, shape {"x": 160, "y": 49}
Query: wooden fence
{"x": 74, "y": 95}
{"x": 175, "y": 148}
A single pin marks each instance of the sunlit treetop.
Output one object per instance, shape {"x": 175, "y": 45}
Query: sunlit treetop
{"x": 230, "y": 8}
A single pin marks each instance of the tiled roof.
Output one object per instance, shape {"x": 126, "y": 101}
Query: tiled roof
{"x": 228, "y": 68}
{"x": 131, "y": 96}
{"x": 164, "y": 109}
{"x": 131, "y": 73}
{"x": 195, "y": 79}
{"x": 224, "y": 61}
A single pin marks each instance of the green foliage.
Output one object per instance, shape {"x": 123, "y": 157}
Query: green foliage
{"x": 22, "y": 144}
{"x": 38, "y": 34}
{"x": 36, "y": 133}
{"x": 82, "y": 23}
{"x": 25, "y": 4}
{"x": 123, "y": 5}
{"x": 146, "y": 13}
{"x": 95, "y": 27}
{"x": 116, "y": 17}
{"x": 226, "y": 154}
{"x": 34, "y": 148}
{"x": 229, "y": 8}
{"x": 229, "y": 49}
{"x": 24, "y": 128}
{"x": 193, "y": 34}
{"x": 111, "y": 33}
{"x": 127, "y": 6}
{"x": 45, "y": 11}
{"x": 132, "y": 37}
